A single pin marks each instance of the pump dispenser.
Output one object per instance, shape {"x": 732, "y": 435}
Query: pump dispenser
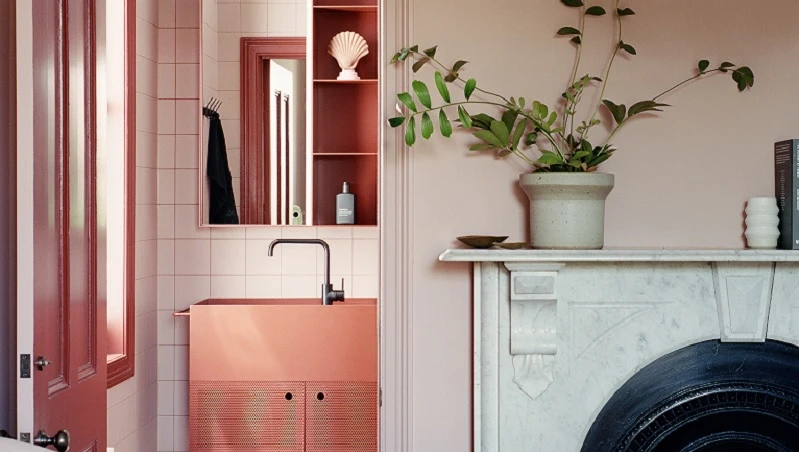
{"x": 345, "y": 206}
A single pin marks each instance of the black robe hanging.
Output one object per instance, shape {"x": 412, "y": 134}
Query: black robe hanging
{"x": 222, "y": 203}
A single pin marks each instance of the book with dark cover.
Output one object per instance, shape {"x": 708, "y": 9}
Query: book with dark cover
{"x": 786, "y": 189}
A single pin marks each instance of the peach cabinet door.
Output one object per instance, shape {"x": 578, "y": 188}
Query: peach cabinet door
{"x": 68, "y": 241}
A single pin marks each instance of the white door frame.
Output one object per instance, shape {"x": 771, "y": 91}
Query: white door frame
{"x": 24, "y": 301}
{"x": 396, "y": 239}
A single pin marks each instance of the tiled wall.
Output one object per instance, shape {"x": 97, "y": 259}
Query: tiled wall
{"x": 195, "y": 263}
{"x": 132, "y": 405}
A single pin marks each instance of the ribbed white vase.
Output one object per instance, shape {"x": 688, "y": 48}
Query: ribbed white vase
{"x": 761, "y": 222}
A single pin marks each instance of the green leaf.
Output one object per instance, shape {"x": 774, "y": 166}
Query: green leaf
{"x": 579, "y": 155}
{"x": 624, "y": 12}
{"x": 418, "y": 65}
{"x": 618, "y": 111}
{"x": 647, "y": 105}
{"x": 749, "y": 76}
{"x": 552, "y": 118}
{"x": 396, "y": 122}
{"x": 444, "y": 124}
{"x": 404, "y": 54}
{"x": 451, "y": 77}
{"x": 500, "y": 130}
{"x": 522, "y": 102}
{"x": 406, "y": 99}
{"x": 482, "y": 120}
{"x": 458, "y": 65}
{"x": 576, "y": 40}
{"x": 427, "y": 126}
{"x": 704, "y": 64}
{"x": 518, "y": 133}
{"x": 549, "y": 158}
{"x": 595, "y": 11}
{"x": 410, "y": 132}
{"x": 442, "y": 87}
{"x": 464, "y": 117}
{"x": 414, "y": 49}
{"x": 431, "y": 52}
{"x": 725, "y": 66}
{"x": 572, "y": 3}
{"x": 468, "y": 89}
{"x": 422, "y": 93}
{"x": 489, "y": 137}
{"x": 482, "y": 147}
{"x": 739, "y": 78}
{"x": 509, "y": 118}
{"x": 503, "y": 153}
{"x": 540, "y": 110}
{"x": 395, "y": 58}
{"x": 627, "y": 48}
{"x": 599, "y": 159}
{"x": 530, "y": 139}
{"x": 567, "y": 31}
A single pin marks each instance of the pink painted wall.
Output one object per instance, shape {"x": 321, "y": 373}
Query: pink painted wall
{"x": 681, "y": 179}
{"x": 132, "y": 423}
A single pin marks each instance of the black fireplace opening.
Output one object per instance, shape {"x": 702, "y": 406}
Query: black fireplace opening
{"x": 711, "y": 396}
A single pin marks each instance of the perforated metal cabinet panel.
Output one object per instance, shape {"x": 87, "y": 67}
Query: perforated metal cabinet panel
{"x": 341, "y": 417}
{"x": 247, "y": 416}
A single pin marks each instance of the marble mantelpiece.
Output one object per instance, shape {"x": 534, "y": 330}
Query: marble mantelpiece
{"x": 557, "y": 332}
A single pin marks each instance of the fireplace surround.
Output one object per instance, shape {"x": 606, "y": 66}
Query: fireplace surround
{"x": 634, "y": 350}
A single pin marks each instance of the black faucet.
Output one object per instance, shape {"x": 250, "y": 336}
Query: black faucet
{"x": 328, "y": 294}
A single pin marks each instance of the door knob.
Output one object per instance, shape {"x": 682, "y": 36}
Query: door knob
{"x": 41, "y": 363}
{"x": 60, "y": 440}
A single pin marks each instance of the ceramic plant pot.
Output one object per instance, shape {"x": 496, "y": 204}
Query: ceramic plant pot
{"x": 567, "y": 210}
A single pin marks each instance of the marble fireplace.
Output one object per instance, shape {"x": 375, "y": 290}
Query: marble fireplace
{"x": 569, "y": 344}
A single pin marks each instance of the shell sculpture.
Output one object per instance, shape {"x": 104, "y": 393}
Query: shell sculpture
{"x": 348, "y": 48}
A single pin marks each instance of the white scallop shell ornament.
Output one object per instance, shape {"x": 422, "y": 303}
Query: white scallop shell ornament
{"x": 348, "y": 48}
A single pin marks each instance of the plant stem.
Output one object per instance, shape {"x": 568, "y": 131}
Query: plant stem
{"x": 454, "y": 104}
{"x": 684, "y": 82}
{"x": 607, "y": 74}
{"x": 448, "y": 71}
{"x": 576, "y": 67}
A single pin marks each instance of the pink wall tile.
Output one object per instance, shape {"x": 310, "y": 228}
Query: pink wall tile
{"x": 146, "y": 78}
{"x": 229, "y": 76}
{"x": 187, "y": 14}
{"x": 166, "y": 45}
{"x": 166, "y": 328}
{"x": 145, "y": 222}
{"x": 274, "y": 232}
{"x": 147, "y": 10}
{"x": 166, "y": 257}
{"x": 166, "y": 13}
{"x": 187, "y": 45}
{"x": 263, "y": 286}
{"x": 181, "y": 331}
{"x": 181, "y": 362}
{"x": 146, "y": 295}
{"x": 166, "y": 362}
{"x": 334, "y": 232}
{"x": 300, "y": 259}
{"x": 146, "y": 149}
{"x": 254, "y": 18}
{"x": 166, "y": 151}
{"x": 166, "y": 186}
{"x": 190, "y": 290}
{"x": 367, "y": 257}
{"x": 228, "y": 17}
{"x": 181, "y": 397}
{"x": 231, "y": 105}
{"x": 166, "y": 292}
{"x": 227, "y": 257}
{"x": 146, "y": 39}
{"x": 300, "y": 287}
{"x": 166, "y": 117}
{"x": 210, "y": 42}
{"x": 181, "y": 433}
{"x": 187, "y": 223}
{"x": 187, "y": 112}
{"x": 210, "y": 70}
{"x": 282, "y": 18}
{"x": 146, "y": 113}
{"x": 229, "y": 47}
{"x": 301, "y": 20}
{"x": 228, "y": 286}
{"x": 259, "y": 263}
{"x": 187, "y": 151}
{"x": 166, "y": 222}
{"x": 186, "y": 183}
{"x": 166, "y": 432}
{"x": 340, "y": 257}
{"x": 365, "y": 287}
{"x": 166, "y": 80}
{"x": 192, "y": 257}
{"x": 166, "y": 398}
{"x": 233, "y": 232}
{"x": 365, "y": 232}
{"x": 145, "y": 251}
{"x": 187, "y": 77}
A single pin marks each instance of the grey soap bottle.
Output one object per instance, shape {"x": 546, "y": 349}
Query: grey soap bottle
{"x": 345, "y": 206}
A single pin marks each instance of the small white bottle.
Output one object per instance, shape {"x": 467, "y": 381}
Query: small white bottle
{"x": 761, "y": 222}
{"x": 345, "y": 206}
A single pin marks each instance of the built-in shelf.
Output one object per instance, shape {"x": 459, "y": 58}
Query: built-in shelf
{"x": 355, "y": 8}
{"x": 621, "y": 255}
{"x": 369, "y": 81}
{"x": 345, "y": 154}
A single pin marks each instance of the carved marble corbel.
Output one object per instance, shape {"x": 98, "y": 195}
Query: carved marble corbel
{"x": 743, "y": 296}
{"x": 533, "y": 324}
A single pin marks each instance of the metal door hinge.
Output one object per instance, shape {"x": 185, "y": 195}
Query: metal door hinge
{"x": 380, "y": 397}
{"x": 25, "y": 437}
{"x": 24, "y": 366}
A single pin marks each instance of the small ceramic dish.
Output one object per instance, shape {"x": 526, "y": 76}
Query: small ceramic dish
{"x": 481, "y": 241}
{"x": 513, "y": 245}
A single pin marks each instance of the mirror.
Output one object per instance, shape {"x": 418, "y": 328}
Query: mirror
{"x": 261, "y": 108}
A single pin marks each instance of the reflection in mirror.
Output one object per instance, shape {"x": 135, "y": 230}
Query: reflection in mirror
{"x": 286, "y": 162}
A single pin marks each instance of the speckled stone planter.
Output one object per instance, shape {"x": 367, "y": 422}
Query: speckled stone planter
{"x": 567, "y": 210}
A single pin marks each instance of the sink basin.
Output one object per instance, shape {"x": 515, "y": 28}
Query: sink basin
{"x": 295, "y": 339}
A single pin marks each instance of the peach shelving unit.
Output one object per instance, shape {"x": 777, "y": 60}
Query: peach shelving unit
{"x": 343, "y": 118}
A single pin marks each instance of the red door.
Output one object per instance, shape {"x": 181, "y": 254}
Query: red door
{"x": 69, "y": 237}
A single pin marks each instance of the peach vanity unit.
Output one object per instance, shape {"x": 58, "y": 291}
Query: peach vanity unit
{"x": 283, "y": 375}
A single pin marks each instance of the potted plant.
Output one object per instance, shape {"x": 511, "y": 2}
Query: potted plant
{"x": 567, "y": 194}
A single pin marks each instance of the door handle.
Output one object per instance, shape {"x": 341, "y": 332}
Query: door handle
{"x": 60, "y": 440}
